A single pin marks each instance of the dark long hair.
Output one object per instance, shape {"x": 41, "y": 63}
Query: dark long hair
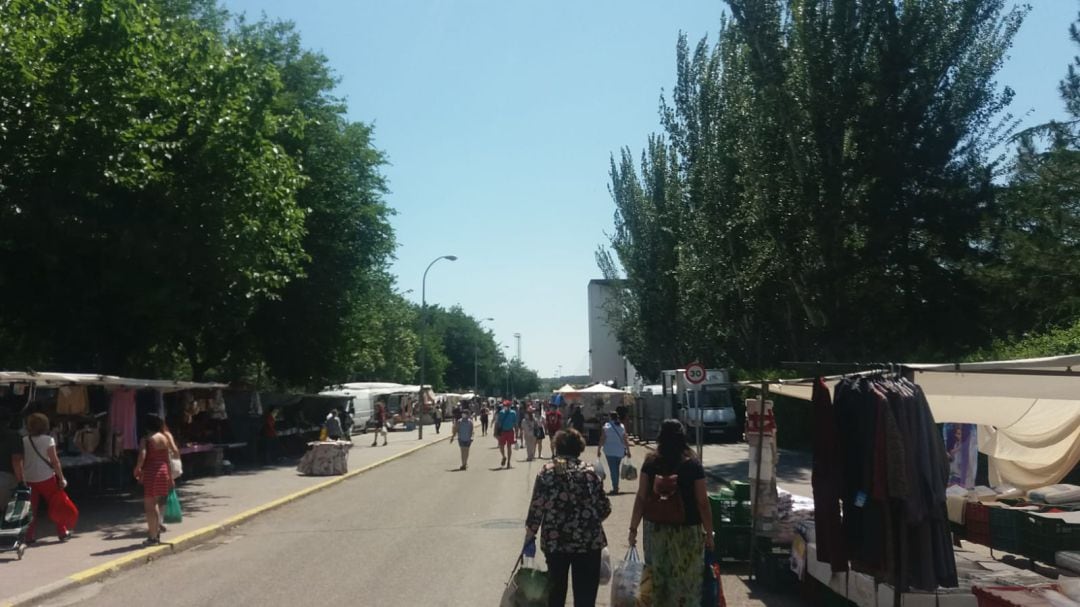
{"x": 672, "y": 446}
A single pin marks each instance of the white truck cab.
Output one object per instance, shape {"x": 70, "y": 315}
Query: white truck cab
{"x": 708, "y": 404}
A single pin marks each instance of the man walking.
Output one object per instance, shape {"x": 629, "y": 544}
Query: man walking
{"x": 437, "y": 415}
{"x": 506, "y": 422}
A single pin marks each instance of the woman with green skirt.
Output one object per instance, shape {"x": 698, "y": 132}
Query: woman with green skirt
{"x": 672, "y": 499}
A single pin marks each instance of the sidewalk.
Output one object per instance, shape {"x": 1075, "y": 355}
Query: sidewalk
{"x": 730, "y": 462}
{"x": 112, "y": 527}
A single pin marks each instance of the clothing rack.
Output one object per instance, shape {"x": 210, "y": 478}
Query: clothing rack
{"x": 840, "y": 371}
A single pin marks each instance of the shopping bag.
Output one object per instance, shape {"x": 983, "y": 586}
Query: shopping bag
{"x": 605, "y": 565}
{"x": 712, "y": 592}
{"x": 627, "y": 470}
{"x": 63, "y": 511}
{"x": 528, "y": 586}
{"x": 172, "y": 508}
{"x": 599, "y": 467}
{"x": 626, "y": 582}
{"x": 176, "y": 467}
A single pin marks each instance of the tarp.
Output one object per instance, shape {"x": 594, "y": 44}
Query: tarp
{"x": 1028, "y": 412}
{"x": 50, "y": 379}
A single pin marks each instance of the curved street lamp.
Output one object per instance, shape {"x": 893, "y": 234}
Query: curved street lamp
{"x": 423, "y": 341}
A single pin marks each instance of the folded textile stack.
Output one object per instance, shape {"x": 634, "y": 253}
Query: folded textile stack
{"x": 791, "y": 511}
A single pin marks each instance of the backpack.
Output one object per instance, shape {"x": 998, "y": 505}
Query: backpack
{"x": 664, "y": 503}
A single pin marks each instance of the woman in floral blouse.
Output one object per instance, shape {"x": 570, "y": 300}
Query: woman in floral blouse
{"x": 567, "y": 511}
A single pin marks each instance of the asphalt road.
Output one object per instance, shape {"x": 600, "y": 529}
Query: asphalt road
{"x": 412, "y": 532}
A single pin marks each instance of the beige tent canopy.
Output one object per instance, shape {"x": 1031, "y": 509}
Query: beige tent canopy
{"x": 567, "y": 389}
{"x": 1028, "y": 412}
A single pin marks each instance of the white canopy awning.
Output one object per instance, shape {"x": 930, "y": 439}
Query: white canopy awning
{"x": 567, "y": 389}
{"x": 88, "y": 379}
{"x": 601, "y": 389}
{"x": 1028, "y": 411}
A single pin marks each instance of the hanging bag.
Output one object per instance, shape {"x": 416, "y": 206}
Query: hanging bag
{"x": 626, "y": 581}
{"x": 527, "y": 587}
{"x": 605, "y": 565}
{"x": 627, "y": 470}
{"x": 173, "y": 514}
{"x": 712, "y": 592}
{"x": 599, "y": 467}
{"x": 176, "y": 466}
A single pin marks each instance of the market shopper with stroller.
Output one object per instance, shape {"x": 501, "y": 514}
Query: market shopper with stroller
{"x": 42, "y": 471}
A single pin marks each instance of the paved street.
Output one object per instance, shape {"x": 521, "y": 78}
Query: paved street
{"x": 113, "y": 526}
{"x": 413, "y": 532}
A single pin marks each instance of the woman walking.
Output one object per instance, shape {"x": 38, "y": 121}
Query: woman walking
{"x": 42, "y": 471}
{"x": 483, "y": 420}
{"x": 678, "y": 527}
{"x": 152, "y": 470}
{"x": 463, "y": 432}
{"x": 567, "y": 511}
{"x": 615, "y": 446}
{"x": 528, "y": 429}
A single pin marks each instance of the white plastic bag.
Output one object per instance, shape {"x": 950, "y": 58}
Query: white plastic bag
{"x": 626, "y": 582}
{"x": 605, "y": 566}
{"x": 176, "y": 468}
{"x": 599, "y": 467}
{"x": 627, "y": 470}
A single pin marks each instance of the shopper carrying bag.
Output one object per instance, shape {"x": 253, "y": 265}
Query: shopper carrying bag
{"x": 528, "y": 585}
{"x": 42, "y": 471}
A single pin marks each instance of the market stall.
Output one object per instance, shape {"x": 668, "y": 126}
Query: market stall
{"x": 95, "y": 419}
{"x": 869, "y": 538}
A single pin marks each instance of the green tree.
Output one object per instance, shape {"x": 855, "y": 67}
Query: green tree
{"x": 1033, "y": 234}
{"x": 145, "y": 202}
{"x": 828, "y": 168}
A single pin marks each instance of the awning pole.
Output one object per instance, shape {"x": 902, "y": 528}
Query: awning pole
{"x": 757, "y": 475}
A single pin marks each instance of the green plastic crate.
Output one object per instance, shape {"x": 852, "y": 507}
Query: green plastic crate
{"x": 740, "y": 490}
{"x": 1041, "y": 538}
{"x": 1005, "y": 529}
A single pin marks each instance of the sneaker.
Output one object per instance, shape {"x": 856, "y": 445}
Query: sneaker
{"x": 151, "y": 541}
{"x": 503, "y": 462}
{"x": 65, "y": 536}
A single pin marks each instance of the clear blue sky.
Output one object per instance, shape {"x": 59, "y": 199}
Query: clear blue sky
{"x": 499, "y": 119}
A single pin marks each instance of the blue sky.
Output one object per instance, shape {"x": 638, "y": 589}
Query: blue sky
{"x": 499, "y": 119}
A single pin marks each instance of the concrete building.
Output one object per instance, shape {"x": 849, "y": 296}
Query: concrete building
{"x": 606, "y": 362}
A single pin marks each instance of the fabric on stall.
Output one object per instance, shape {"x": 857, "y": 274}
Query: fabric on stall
{"x": 122, "y": 418}
{"x": 72, "y": 400}
{"x": 827, "y": 481}
{"x": 962, "y": 446}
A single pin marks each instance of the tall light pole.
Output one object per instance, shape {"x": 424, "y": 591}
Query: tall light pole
{"x": 517, "y": 337}
{"x": 475, "y": 362}
{"x": 423, "y": 341}
{"x": 506, "y": 347}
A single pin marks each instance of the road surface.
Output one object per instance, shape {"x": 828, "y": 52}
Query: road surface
{"x": 413, "y": 532}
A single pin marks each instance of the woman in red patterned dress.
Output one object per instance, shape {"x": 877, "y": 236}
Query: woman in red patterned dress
{"x": 152, "y": 470}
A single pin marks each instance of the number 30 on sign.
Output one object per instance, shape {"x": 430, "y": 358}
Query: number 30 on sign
{"x": 695, "y": 373}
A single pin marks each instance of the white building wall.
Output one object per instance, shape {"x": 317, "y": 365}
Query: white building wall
{"x": 606, "y": 362}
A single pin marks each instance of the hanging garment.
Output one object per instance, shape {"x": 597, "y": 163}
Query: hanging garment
{"x": 827, "y": 481}
{"x": 72, "y": 400}
{"x": 122, "y": 417}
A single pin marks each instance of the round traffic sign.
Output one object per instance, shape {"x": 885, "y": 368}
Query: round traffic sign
{"x": 695, "y": 373}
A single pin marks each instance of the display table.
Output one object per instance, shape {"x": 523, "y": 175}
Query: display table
{"x": 325, "y": 458}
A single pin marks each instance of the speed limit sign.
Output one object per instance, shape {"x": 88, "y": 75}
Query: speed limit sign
{"x": 695, "y": 373}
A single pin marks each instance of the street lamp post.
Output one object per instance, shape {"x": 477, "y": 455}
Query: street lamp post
{"x": 423, "y": 341}
{"x": 475, "y": 363}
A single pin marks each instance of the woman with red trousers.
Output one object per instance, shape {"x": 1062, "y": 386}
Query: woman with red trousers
{"x": 42, "y": 471}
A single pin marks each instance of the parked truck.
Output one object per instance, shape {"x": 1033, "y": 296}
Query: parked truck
{"x": 708, "y": 404}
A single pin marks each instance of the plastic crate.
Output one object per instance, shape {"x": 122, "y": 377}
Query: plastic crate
{"x": 740, "y": 490}
{"x": 1005, "y": 529}
{"x": 1011, "y": 596}
{"x": 1042, "y": 538}
{"x": 977, "y": 523}
{"x": 733, "y": 543}
{"x": 726, "y": 512}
